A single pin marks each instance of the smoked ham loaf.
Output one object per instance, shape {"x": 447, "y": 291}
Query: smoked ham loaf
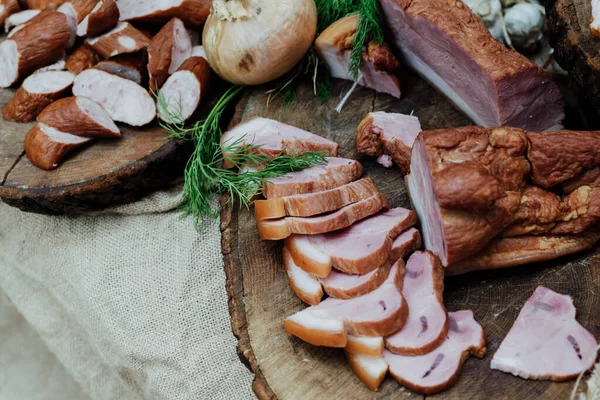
{"x": 169, "y": 48}
{"x": 36, "y": 92}
{"x": 122, "y": 39}
{"x": 282, "y": 228}
{"x": 492, "y": 85}
{"x": 378, "y": 66}
{"x": 46, "y": 146}
{"x": 40, "y": 42}
{"x": 192, "y": 12}
{"x": 103, "y": 17}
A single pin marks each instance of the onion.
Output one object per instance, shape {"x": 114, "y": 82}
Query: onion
{"x": 249, "y": 42}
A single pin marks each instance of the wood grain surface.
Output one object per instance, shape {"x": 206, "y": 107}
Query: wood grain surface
{"x": 260, "y": 297}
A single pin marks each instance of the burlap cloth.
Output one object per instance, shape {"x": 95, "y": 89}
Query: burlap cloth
{"x": 131, "y": 301}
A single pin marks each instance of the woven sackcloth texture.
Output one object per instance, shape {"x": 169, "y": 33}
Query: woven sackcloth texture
{"x": 131, "y": 300}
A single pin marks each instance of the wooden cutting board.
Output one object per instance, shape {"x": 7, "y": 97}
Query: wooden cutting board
{"x": 260, "y": 297}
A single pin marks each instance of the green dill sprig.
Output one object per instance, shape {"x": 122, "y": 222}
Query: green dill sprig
{"x": 369, "y": 28}
{"x": 204, "y": 172}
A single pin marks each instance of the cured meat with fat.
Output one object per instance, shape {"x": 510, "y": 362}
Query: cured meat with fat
{"x": 8, "y": 8}
{"x": 336, "y": 172}
{"x": 192, "y": 12}
{"x": 18, "y": 18}
{"x": 129, "y": 66}
{"x": 39, "y": 42}
{"x": 309, "y": 204}
{"x": 341, "y": 285}
{"x": 84, "y": 57}
{"x": 46, "y": 147}
{"x": 307, "y": 287}
{"x": 36, "y": 92}
{"x": 546, "y": 342}
{"x": 103, "y": 17}
{"x": 364, "y": 345}
{"x": 169, "y": 48}
{"x": 491, "y": 84}
{"x": 358, "y": 249}
{"x": 378, "y": 66}
{"x": 124, "y": 100}
{"x": 382, "y": 134}
{"x": 371, "y": 370}
{"x": 282, "y": 228}
{"x": 427, "y": 324}
{"x": 274, "y": 137}
{"x": 79, "y": 116}
{"x": 439, "y": 370}
{"x": 404, "y": 244}
{"x": 122, "y": 39}
{"x": 183, "y": 91}
{"x": 378, "y": 313}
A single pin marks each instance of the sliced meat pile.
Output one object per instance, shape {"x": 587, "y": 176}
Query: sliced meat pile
{"x": 546, "y": 342}
{"x": 334, "y": 47}
{"x": 388, "y": 136}
{"x": 491, "y": 84}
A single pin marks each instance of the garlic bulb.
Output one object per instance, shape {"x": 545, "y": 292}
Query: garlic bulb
{"x": 490, "y": 12}
{"x": 249, "y": 42}
{"x": 524, "y": 24}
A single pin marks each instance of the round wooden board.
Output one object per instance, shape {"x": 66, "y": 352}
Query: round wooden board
{"x": 103, "y": 173}
{"x": 260, "y": 297}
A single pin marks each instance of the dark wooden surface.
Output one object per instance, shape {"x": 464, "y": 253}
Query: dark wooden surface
{"x": 260, "y": 297}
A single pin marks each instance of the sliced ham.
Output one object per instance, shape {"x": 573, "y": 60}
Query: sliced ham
{"x": 46, "y": 147}
{"x": 169, "y": 48}
{"x": 103, "y": 17}
{"x": 309, "y": 204}
{"x": 274, "y": 137}
{"x": 183, "y": 91}
{"x": 364, "y": 345}
{"x": 359, "y": 249}
{"x": 282, "y": 228}
{"x": 124, "y": 100}
{"x": 307, "y": 287}
{"x": 439, "y": 370}
{"x": 192, "y": 12}
{"x": 38, "y": 43}
{"x": 546, "y": 342}
{"x": 427, "y": 324}
{"x": 334, "y": 47}
{"x": 37, "y": 91}
{"x": 79, "y": 116}
{"x": 388, "y": 134}
{"x": 129, "y": 66}
{"x": 84, "y": 57}
{"x": 122, "y": 39}
{"x": 341, "y": 285}
{"x": 336, "y": 172}
{"x": 18, "y": 18}
{"x": 404, "y": 244}
{"x": 8, "y": 8}
{"x": 378, "y": 313}
{"x": 371, "y": 370}
{"x": 490, "y": 83}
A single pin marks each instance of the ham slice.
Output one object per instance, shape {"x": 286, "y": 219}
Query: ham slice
{"x": 103, "y": 17}
{"x": 371, "y": 370}
{"x": 169, "y": 48}
{"x": 37, "y": 91}
{"x": 282, "y": 228}
{"x": 19, "y": 18}
{"x": 129, "y": 66}
{"x": 388, "y": 134}
{"x": 427, "y": 324}
{"x": 274, "y": 137}
{"x": 341, "y": 285}
{"x": 334, "y": 47}
{"x": 359, "y": 249}
{"x": 404, "y": 244}
{"x": 124, "y": 100}
{"x": 84, "y": 57}
{"x": 46, "y": 146}
{"x": 491, "y": 84}
{"x": 307, "y": 287}
{"x": 439, "y": 370}
{"x": 122, "y": 39}
{"x": 79, "y": 116}
{"x": 309, "y": 204}
{"x": 364, "y": 345}
{"x": 192, "y": 12}
{"x": 378, "y": 313}
{"x": 40, "y": 42}
{"x": 546, "y": 342}
{"x": 336, "y": 172}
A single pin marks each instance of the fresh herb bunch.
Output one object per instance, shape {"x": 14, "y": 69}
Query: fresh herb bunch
{"x": 369, "y": 28}
{"x": 204, "y": 173}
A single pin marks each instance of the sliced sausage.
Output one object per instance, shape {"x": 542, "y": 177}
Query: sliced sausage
{"x": 79, "y": 116}
{"x": 192, "y": 12}
{"x": 182, "y": 93}
{"x": 60, "y": 65}
{"x": 71, "y": 15}
{"x": 8, "y": 8}
{"x": 18, "y": 18}
{"x": 129, "y": 66}
{"x": 37, "y": 91}
{"x": 101, "y": 18}
{"x": 80, "y": 8}
{"x": 124, "y": 100}
{"x": 46, "y": 146}
{"x": 84, "y": 57}
{"x": 38, "y": 43}
{"x": 169, "y": 48}
{"x": 123, "y": 38}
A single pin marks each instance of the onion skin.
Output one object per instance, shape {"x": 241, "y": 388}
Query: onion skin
{"x": 262, "y": 45}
